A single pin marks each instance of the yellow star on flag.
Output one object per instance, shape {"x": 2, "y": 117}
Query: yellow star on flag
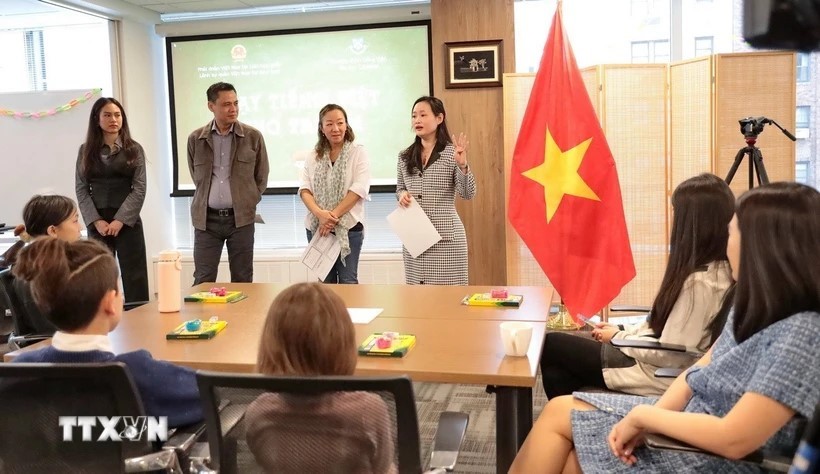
{"x": 558, "y": 174}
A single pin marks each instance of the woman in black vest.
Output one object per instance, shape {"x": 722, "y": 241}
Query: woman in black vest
{"x": 110, "y": 187}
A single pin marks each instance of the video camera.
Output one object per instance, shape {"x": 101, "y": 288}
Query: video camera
{"x": 751, "y": 127}
{"x": 782, "y": 24}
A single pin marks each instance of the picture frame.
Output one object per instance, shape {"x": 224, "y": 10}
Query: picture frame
{"x": 473, "y": 64}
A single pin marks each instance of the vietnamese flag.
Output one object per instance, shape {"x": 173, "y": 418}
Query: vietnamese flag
{"x": 565, "y": 201}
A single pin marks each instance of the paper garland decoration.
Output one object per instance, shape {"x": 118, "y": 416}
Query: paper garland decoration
{"x": 52, "y": 111}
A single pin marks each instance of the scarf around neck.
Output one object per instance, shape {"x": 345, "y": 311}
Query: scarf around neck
{"x": 329, "y": 189}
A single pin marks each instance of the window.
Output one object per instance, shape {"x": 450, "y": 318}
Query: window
{"x": 803, "y": 112}
{"x": 650, "y": 51}
{"x": 801, "y": 172}
{"x": 640, "y": 51}
{"x": 284, "y": 227}
{"x": 704, "y": 46}
{"x": 639, "y": 7}
{"x": 59, "y": 50}
{"x": 35, "y": 60}
{"x": 803, "y": 67}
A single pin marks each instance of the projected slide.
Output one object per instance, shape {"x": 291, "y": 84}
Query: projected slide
{"x": 283, "y": 80}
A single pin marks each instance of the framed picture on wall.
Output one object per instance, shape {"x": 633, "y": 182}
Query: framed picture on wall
{"x": 473, "y": 64}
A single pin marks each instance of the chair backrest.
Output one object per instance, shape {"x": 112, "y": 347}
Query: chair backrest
{"x": 26, "y": 317}
{"x": 10, "y": 255}
{"x": 34, "y": 396}
{"x": 226, "y": 430}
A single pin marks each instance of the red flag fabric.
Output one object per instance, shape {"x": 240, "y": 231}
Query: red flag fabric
{"x": 565, "y": 200}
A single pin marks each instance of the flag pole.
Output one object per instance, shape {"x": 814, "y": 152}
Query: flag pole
{"x": 562, "y": 320}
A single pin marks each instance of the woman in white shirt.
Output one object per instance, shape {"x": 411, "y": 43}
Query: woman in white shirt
{"x": 335, "y": 183}
{"x": 692, "y": 290}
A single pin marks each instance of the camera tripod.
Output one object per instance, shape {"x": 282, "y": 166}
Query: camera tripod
{"x": 751, "y": 127}
{"x": 756, "y": 166}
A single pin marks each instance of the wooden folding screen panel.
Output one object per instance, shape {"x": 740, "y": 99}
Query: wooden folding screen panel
{"x": 691, "y": 134}
{"x": 632, "y": 110}
{"x": 755, "y": 84}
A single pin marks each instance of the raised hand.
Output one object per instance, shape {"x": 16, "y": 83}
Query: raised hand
{"x": 461, "y": 144}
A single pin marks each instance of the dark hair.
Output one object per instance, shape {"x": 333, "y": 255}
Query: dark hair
{"x": 702, "y": 208}
{"x": 94, "y": 141}
{"x": 715, "y": 327}
{"x": 68, "y": 279}
{"x": 779, "y": 273}
{"x": 308, "y": 331}
{"x": 44, "y": 211}
{"x": 323, "y": 145}
{"x": 215, "y": 89}
{"x": 412, "y": 154}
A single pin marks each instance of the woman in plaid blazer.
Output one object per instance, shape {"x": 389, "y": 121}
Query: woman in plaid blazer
{"x": 432, "y": 171}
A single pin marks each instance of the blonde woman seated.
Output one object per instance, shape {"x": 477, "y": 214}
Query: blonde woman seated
{"x": 749, "y": 391}
{"x": 308, "y": 332}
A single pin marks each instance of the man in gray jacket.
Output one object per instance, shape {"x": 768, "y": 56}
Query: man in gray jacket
{"x": 229, "y": 165}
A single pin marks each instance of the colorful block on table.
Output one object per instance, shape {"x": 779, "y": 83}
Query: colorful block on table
{"x": 207, "y": 330}
{"x": 396, "y": 346}
{"x": 208, "y": 297}
{"x": 486, "y": 299}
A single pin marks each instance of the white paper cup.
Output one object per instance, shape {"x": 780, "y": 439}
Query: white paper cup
{"x": 516, "y": 336}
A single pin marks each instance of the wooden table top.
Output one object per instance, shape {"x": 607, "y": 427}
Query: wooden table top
{"x": 455, "y": 343}
{"x": 404, "y": 301}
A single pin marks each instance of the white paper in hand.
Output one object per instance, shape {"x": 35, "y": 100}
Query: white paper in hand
{"x": 414, "y": 228}
{"x": 320, "y": 255}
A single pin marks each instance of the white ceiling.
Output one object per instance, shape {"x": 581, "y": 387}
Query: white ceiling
{"x": 199, "y": 6}
{"x": 25, "y": 7}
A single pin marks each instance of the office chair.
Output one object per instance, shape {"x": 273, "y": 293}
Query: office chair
{"x": 765, "y": 461}
{"x": 24, "y": 317}
{"x": 28, "y": 322}
{"x": 33, "y": 396}
{"x": 716, "y": 326}
{"x": 226, "y": 430}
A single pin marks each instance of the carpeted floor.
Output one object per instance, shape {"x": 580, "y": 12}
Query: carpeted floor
{"x": 478, "y": 451}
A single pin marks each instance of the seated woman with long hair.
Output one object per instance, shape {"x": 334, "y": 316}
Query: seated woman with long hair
{"x": 751, "y": 390}
{"x": 77, "y": 285}
{"x": 48, "y": 215}
{"x": 696, "y": 278}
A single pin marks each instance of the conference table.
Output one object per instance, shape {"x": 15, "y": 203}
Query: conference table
{"x": 455, "y": 343}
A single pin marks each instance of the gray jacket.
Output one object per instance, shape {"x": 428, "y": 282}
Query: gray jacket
{"x": 249, "y": 172}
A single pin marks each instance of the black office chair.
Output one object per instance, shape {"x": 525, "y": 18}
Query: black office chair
{"x": 716, "y": 326}
{"x": 766, "y": 461}
{"x": 26, "y": 317}
{"x": 226, "y": 429}
{"x": 34, "y": 396}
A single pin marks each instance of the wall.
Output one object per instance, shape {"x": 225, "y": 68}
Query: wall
{"x": 478, "y": 113}
{"x": 144, "y": 96}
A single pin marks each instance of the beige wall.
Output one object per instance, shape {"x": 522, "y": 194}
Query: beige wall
{"x": 478, "y": 113}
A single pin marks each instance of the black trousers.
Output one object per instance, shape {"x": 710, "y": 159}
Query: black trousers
{"x": 129, "y": 248}
{"x": 208, "y": 244}
{"x": 570, "y": 363}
